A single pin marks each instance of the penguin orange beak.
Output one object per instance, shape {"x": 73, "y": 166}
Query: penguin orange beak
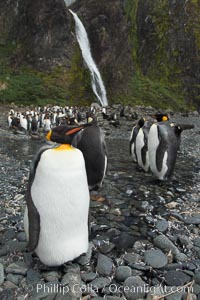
{"x": 48, "y": 136}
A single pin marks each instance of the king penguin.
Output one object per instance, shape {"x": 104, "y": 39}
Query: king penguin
{"x": 91, "y": 142}
{"x": 56, "y": 216}
{"x": 163, "y": 144}
{"x": 133, "y": 136}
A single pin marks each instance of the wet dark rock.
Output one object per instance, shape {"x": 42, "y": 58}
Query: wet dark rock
{"x": 9, "y": 234}
{"x": 177, "y": 215}
{"x": 140, "y": 267}
{"x": 176, "y": 278}
{"x": 155, "y": 258}
{"x": 173, "y": 266}
{"x": 4, "y": 250}
{"x": 124, "y": 241}
{"x": 51, "y": 276}
{"x": 106, "y": 248}
{"x": 149, "y": 220}
{"x": 131, "y": 258}
{"x": 130, "y": 288}
{"x": 87, "y": 277}
{"x": 21, "y": 236}
{"x": 18, "y": 268}
{"x": 16, "y": 246}
{"x": 166, "y": 245}
{"x": 104, "y": 265}
{"x": 122, "y": 273}
{"x": 16, "y": 279}
{"x": 197, "y": 277}
{"x": 33, "y": 276}
{"x": 192, "y": 220}
{"x": 1, "y": 274}
{"x": 85, "y": 258}
{"x": 162, "y": 225}
{"x": 100, "y": 282}
{"x": 72, "y": 279}
{"x": 7, "y": 294}
{"x": 197, "y": 242}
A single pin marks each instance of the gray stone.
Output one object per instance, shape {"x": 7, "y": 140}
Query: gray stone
{"x": 72, "y": 268}
{"x": 197, "y": 277}
{"x": 99, "y": 283}
{"x": 132, "y": 258}
{"x": 16, "y": 246}
{"x": 104, "y": 265}
{"x": 10, "y": 285}
{"x": 33, "y": 276}
{"x": 155, "y": 258}
{"x": 73, "y": 280}
{"x": 134, "y": 288}
{"x": 85, "y": 258}
{"x": 197, "y": 242}
{"x": 163, "y": 243}
{"x": 16, "y": 279}
{"x": 87, "y": 277}
{"x": 180, "y": 257}
{"x": 9, "y": 234}
{"x": 162, "y": 225}
{"x": 7, "y": 294}
{"x": 19, "y": 268}
{"x": 21, "y": 236}
{"x": 192, "y": 220}
{"x": 122, "y": 273}
{"x": 4, "y": 250}
{"x": 50, "y": 276}
{"x": 1, "y": 274}
{"x": 176, "y": 278}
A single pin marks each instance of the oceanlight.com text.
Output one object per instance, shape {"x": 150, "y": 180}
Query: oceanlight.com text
{"x": 113, "y": 288}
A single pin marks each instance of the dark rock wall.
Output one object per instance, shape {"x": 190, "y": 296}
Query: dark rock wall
{"x": 158, "y": 39}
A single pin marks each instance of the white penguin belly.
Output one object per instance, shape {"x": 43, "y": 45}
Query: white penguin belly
{"x": 153, "y": 143}
{"x": 60, "y": 194}
{"x": 139, "y": 145}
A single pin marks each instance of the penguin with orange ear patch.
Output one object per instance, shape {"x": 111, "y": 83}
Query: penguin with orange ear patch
{"x": 56, "y": 216}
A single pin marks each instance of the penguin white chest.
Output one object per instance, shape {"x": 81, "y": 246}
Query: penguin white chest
{"x": 60, "y": 194}
{"x": 153, "y": 144}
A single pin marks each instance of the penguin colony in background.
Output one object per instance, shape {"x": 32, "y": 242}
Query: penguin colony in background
{"x": 63, "y": 173}
{"x": 154, "y": 145}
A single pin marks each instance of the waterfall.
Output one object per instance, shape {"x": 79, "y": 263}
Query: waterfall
{"x": 69, "y": 2}
{"x": 96, "y": 81}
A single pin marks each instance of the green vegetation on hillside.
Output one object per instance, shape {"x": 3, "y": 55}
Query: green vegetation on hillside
{"x": 24, "y": 85}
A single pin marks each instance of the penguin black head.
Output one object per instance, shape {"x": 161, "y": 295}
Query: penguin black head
{"x": 64, "y": 134}
{"x": 141, "y": 122}
{"x": 161, "y": 117}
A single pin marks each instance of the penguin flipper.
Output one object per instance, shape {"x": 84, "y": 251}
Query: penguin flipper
{"x": 33, "y": 221}
{"x": 33, "y": 215}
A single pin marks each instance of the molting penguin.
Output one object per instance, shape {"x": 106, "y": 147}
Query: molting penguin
{"x": 93, "y": 146}
{"x": 56, "y": 216}
{"x": 163, "y": 144}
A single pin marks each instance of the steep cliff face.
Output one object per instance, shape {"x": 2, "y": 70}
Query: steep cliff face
{"x": 147, "y": 51}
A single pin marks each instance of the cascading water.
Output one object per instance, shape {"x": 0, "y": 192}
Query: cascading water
{"x": 69, "y": 2}
{"x": 96, "y": 81}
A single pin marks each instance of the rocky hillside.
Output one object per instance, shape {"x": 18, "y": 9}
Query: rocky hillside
{"x": 148, "y": 52}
